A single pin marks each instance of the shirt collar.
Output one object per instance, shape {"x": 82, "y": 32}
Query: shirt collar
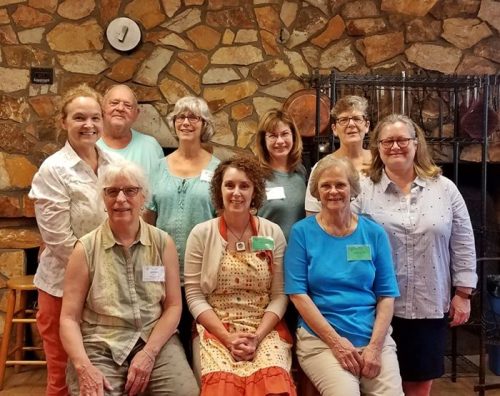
{"x": 72, "y": 158}
{"x": 385, "y": 182}
{"x": 109, "y": 239}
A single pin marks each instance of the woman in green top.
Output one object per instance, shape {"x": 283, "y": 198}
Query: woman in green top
{"x": 279, "y": 149}
{"x": 180, "y": 196}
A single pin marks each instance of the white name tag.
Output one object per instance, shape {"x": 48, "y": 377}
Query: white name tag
{"x": 206, "y": 175}
{"x": 275, "y": 193}
{"x": 154, "y": 273}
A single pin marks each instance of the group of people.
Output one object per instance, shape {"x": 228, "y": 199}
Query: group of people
{"x": 171, "y": 275}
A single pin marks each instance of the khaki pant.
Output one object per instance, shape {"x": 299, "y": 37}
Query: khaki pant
{"x": 330, "y": 379}
{"x": 171, "y": 374}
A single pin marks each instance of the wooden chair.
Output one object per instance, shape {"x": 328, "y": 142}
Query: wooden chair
{"x": 18, "y": 289}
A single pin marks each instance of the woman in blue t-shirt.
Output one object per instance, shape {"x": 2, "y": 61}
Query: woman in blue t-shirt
{"x": 339, "y": 275}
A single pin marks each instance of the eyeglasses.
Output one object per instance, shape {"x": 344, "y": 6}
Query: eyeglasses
{"x": 129, "y": 191}
{"x": 343, "y": 121}
{"x": 190, "y": 117}
{"x": 272, "y": 137}
{"x": 338, "y": 186}
{"x": 401, "y": 142}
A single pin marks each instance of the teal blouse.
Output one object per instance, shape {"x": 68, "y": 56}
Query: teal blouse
{"x": 181, "y": 203}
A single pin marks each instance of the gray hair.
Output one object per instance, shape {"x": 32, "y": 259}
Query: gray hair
{"x": 349, "y": 103}
{"x": 197, "y": 106}
{"x": 127, "y": 169}
{"x": 330, "y": 162}
{"x": 112, "y": 87}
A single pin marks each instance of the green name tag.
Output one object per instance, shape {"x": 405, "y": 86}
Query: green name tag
{"x": 359, "y": 252}
{"x": 260, "y": 243}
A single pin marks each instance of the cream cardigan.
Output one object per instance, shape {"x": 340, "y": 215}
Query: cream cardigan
{"x": 204, "y": 249}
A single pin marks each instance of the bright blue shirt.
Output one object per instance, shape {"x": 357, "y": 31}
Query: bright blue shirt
{"x": 344, "y": 289}
{"x": 181, "y": 203}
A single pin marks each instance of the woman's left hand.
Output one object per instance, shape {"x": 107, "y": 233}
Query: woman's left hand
{"x": 138, "y": 373}
{"x": 244, "y": 349}
{"x": 372, "y": 361}
{"x": 459, "y": 310}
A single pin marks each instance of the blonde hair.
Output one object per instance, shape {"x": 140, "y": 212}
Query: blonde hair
{"x": 423, "y": 164}
{"x": 330, "y": 162}
{"x": 268, "y": 124}
{"x": 82, "y": 90}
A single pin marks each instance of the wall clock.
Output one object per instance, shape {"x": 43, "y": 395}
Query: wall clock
{"x": 123, "y": 34}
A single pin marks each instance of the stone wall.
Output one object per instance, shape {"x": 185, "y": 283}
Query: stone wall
{"x": 242, "y": 56}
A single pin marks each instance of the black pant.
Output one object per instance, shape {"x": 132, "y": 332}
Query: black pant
{"x": 185, "y": 328}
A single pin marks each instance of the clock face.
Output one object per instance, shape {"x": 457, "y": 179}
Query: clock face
{"x": 123, "y": 34}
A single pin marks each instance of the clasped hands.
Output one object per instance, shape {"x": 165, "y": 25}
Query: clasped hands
{"x": 242, "y": 346}
{"x": 365, "y": 363}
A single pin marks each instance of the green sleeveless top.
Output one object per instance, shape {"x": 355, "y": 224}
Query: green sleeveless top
{"x": 120, "y": 306}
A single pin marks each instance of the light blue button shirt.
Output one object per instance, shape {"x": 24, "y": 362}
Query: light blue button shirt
{"x": 431, "y": 238}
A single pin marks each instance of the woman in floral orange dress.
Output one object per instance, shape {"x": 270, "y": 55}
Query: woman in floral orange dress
{"x": 234, "y": 289}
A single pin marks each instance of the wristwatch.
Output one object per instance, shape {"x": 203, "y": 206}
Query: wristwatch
{"x": 462, "y": 294}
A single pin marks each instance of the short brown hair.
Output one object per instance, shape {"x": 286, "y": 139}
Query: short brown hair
{"x": 330, "y": 162}
{"x": 423, "y": 163}
{"x": 82, "y": 90}
{"x": 348, "y": 103}
{"x": 251, "y": 167}
{"x": 268, "y": 124}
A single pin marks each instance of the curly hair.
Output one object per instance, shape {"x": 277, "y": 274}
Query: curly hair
{"x": 268, "y": 124}
{"x": 252, "y": 169}
{"x": 423, "y": 163}
{"x": 82, "y": 90}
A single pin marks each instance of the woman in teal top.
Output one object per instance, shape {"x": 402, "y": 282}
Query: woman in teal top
{"x": 279, "y": 149}
{"x": 180, "y": 196}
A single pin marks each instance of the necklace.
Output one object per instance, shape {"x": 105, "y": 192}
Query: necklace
{"x": 324, "y": 227}
{"x": 240, "y": 245}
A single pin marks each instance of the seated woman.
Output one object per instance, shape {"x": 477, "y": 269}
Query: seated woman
{"x": 234, "y": 289}
{"x": 122, "y": 300}
{"x": 339, "y": 275}
{"x": 350, "y": 125}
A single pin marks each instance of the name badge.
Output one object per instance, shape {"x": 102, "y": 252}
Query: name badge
{"x": 359, "y": 252}
{"x": 153, "y": 273}
{"x": 259, "y": 243}
{"x": 206, "y": 175}
{"x": 275, "y": 193}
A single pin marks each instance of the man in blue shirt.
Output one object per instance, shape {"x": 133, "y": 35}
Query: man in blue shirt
{"x": 120, "y": 111}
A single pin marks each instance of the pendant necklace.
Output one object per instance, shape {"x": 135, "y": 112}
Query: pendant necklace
{"x": 240, "y": 245}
